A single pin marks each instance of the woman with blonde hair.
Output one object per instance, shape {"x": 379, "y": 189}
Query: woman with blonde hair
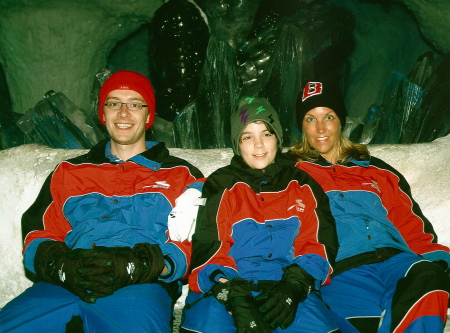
{"x": 390, "y": 272}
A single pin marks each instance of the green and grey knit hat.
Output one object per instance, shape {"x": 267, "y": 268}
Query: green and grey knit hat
{"x": 251, "y": 109}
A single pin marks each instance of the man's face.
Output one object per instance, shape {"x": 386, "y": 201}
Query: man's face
{"x": 124, "y": 126}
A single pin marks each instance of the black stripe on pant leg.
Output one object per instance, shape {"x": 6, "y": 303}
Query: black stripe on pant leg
{"x": 422, "y": 278}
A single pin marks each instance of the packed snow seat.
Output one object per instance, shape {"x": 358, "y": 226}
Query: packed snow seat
{"x": 23, "y": 170}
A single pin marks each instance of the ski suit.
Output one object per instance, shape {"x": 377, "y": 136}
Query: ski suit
{"x": 254, "y": 223}
{"x": 98, "y": 199}
{"x": 384, "y": 269}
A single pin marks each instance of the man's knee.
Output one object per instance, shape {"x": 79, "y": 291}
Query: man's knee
{"x": 423, "y": 278}
{"x": 427, "y": 275}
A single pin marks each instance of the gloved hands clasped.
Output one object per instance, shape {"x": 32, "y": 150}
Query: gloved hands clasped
{"x": 275, "y": 307}
{"x": 97, "y": 272}
{"x": 236, "y": 295}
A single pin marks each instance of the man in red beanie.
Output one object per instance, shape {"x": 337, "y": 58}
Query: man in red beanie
{"x": 98, "y": 239}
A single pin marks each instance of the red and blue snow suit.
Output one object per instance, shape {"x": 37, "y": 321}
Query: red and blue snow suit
{"x": 98, "y": 199}
{"x": 384, "y": 267}
{"x": 254, "y": 223}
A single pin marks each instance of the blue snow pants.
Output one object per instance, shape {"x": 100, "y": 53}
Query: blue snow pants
{"x": 404, "y": 294}
{"x": 45, "y": 307}
{"x": 210, "y": 316}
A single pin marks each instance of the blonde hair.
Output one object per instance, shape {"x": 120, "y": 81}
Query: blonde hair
{"x": 346, "y": 150}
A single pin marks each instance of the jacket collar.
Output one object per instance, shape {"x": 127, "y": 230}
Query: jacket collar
{"x": 237, "y": 163}
{"x": 364, "y": 163}
{"x": 152, "y": 158}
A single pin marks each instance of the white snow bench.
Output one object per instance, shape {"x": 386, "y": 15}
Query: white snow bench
{"x": 23, "y": 170}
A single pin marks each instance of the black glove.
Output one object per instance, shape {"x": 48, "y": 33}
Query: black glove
{"x": 444, "y": 265}
{"x": 280, "y": 303}
{"x": 236, "y": 295}
{"x": 55, "y": 263}
{"x": 141, "y": 264}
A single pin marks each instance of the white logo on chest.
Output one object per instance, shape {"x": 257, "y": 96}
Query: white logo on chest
{"x": 159, "y": 184}
{"x": 374, "y": 184}
{"x": 299, "y": 206}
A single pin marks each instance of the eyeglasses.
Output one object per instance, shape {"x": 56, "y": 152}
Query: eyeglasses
{"x": 132, "y": 106}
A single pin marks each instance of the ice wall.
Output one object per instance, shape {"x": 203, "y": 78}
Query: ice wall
{"x": 433, "y": 20}
{"x": 385, "y": 41}
{"x": 62, "y": 44}
{"x": 23, "y": 169}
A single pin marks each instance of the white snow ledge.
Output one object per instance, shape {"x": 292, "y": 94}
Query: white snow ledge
{"x": 23, "y": 169}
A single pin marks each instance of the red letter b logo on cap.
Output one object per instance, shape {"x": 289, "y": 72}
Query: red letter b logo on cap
{"x": 311, "y": 89}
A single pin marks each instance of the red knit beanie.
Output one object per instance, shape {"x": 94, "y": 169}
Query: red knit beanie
{"x": 127, "y": 80}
